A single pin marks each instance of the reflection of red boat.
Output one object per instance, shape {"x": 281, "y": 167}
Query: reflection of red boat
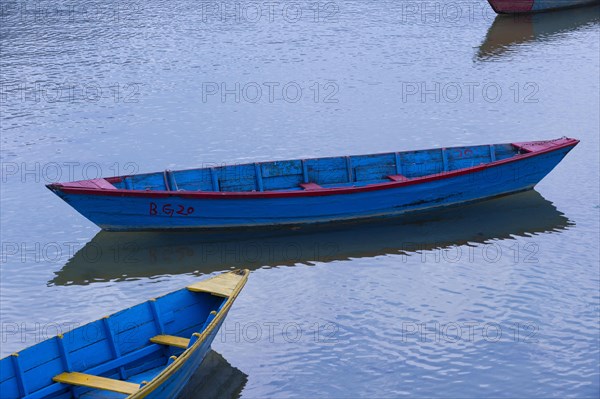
{"x": 522, "y": 6}
{"x": 511, "y": 33}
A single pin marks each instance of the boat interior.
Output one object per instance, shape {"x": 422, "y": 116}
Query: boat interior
{"x": 317, "y": 173}
{"x": 115, "y": 356}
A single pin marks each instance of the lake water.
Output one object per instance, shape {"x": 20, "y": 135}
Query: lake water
{"x": 496, "y": 299}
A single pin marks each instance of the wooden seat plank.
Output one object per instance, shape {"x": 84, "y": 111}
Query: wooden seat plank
{"x": 92, "y": 381}
{"x": 92, "y": 183}
{"x": 171, "y": 340}
{"x": 534, "y": 146}
{"x": 221, "y": 285}
{"x": 398, "y": 178}
{"x": 310, "y": 186}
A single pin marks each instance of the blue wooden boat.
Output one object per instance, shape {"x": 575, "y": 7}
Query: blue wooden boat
{"x": 316, "y": 190}
{"x": 147, "y": 351}
{"x": 528, "y": 6}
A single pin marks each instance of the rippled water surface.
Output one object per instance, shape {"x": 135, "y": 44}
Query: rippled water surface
{"x": 494, "y": 299}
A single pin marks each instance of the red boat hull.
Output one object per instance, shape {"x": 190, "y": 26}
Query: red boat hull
{"x": 526, "y": 6}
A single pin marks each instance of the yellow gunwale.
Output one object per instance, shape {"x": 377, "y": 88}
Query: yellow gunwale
{"x": 180, "y": 361}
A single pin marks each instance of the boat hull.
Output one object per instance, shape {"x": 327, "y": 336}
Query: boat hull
{"x": 527, "y": 6}
{"x": 160, "y": 211}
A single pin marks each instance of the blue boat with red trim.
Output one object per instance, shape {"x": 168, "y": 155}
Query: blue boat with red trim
{"x": 319, "y": 190}
{"x": 528, "y": 6}
{"x": 147, "y": 351}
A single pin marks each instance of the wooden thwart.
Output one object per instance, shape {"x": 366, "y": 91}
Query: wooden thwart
{"x": 398, "y": 178}
{"x": 92, "y": 381}
{"x": 221, "y": 285}
{"x": 92, "y": 183}
{"x": 171, "y": 340}
{"x": 310, "y": 186}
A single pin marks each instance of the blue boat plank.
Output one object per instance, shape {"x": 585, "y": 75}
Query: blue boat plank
{"x": 238, "y": 185}
{"x": 145, "y": 365}
{"x": 282, "y": 182}
{"x": 132, "y": 359}
{"x": 134, "y": 339}
{"x": 327, "y": 170}
{"x": 7, "y": 370}
{"x": 39, "y": 377}
{"x": 281, "y": 168}
{"x": 91, "y": 355}
{"x": 192, "y": 180}
{"x": 44, "y": 351}
{"x": 181, "y": 321}
{"x": 10, "y": 389}
{"x": 147, "y": 181}
{"x": 372, "y": 173}
{"x": 504, "y": 151}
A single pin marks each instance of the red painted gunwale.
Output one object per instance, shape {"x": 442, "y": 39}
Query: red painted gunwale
{"x": 535, "y": 147}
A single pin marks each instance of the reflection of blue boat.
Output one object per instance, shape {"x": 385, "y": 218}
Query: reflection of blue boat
{"x": 525, "y": 6}
{"x": 147, "y": 351}
{"x": 215, "y": 379}
{"x": 133, "y": 255}
{"x": 313, "y": 190}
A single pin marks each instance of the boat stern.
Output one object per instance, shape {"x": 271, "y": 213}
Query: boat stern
{"x": 529, "y": 6}
{"x": 546, "y": 145}
{"x": 511, "y": 6}
{"x": 79, "y": 195}
{"x": 56, "y": 188}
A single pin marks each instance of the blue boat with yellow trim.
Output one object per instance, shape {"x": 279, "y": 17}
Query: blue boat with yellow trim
{"x": 147, "y": 351}
{"x": 319, "y": 190}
